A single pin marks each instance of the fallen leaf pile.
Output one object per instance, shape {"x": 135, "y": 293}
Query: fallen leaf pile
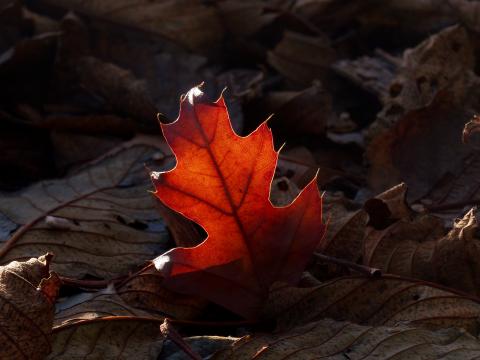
{"x": 323, "y": 206}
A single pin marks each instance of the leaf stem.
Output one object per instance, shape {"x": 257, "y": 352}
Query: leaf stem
{"x": 169, "y": 332}
{"x": 367, "y": 270}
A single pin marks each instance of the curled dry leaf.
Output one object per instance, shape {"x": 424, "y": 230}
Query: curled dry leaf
{"x": 329, "y": 339}
{"x": 471, "y": 127}
{"x": 27, "y": 295}
{"x": 347, "y": 224}
{"x": 109, "y": 338}
{"x": 371, "y": 301}
{"x": 419, "y": 248}
{"x": 222, "y": 182}
{"x": 100, "y": 221}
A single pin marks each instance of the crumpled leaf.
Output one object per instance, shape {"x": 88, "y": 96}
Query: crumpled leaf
{"x": 329, "y": 339}
{"x": 222, "y": 182}
{"x": 118, "y": 337}
{"x": 27, "y": 295}
{"x": 420, "y": 248}
{"x": 100, "y": 221}
{"x": 388, "y": 300}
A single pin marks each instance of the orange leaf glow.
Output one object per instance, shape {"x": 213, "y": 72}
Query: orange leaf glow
{"x": 222, "y": 182}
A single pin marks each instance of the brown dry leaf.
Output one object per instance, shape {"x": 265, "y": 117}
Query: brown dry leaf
{"x": 347, "y": 224}
{"x": 245, "y": 18}
{"x": 374, "y": 74}
{"x": 25, "y": 67}
{"x": 120, "y": 337}
{"x": 302, "y": 58}
{"x": 10, "y": 20}
{"x": 146, "y": 291}
{"x": 189, "y": 23}
{"x": 100, "y": 221}
{"x": 120, "y": 88}
{"x": 301, "y": 112}
{"x": 205, "y": 346}
{"x": 72, "y": 148}
{"x": 431, "y": 98}
{"x": 283, "y": 191}
{"x": 419, "y": 248}
{"x": 467, "y": 11}
{"x": 345, "y": 229}
{"x": 388, "y": 301}
{"x": 329, "y": 339}
{"x": 26, "y": 303}
{"x": 297, "y": 164}
{"x": 89, "y": 306}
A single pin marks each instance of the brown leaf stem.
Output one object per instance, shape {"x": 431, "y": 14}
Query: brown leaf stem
{"x": 367, "y": 270}
{"x": 168, "y": 331}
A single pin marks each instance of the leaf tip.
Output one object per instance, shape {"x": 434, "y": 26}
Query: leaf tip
{"x": 192, "y": 94}
{"x": 163, "y": 263}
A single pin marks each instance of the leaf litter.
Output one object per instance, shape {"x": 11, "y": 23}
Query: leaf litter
{"x": 343, "y": 227}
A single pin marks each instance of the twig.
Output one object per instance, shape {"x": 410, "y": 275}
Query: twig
{"x": 367, "y": 270}
{"x": 168, "y": 331}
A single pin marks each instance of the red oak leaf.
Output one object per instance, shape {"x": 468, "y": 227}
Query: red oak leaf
{"x": 222, "y": 182}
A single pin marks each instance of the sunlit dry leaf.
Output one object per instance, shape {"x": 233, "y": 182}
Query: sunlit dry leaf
{"x": 108, "y": 338}
{"x": 222, "y": 182}
{"x": 328, "y": 339}
{"x": 420, "y": 248}
{"x": 99, "y": 221}
{"x": 388, "y": 301}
